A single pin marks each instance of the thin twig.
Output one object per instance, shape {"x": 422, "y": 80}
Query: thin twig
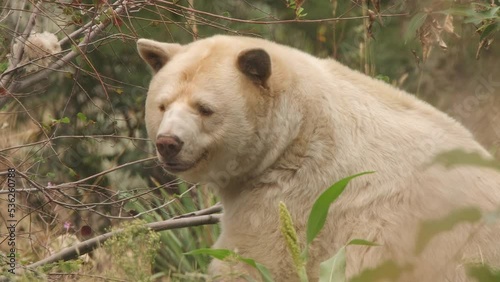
{"x": 275, "y": 21}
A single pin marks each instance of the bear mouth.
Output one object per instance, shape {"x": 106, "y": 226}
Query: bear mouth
{"x": 176, "y": 166}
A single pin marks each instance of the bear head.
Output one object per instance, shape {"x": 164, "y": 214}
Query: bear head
{"x": 208, "y": 107}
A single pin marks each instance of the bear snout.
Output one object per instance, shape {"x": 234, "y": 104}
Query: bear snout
{"x": 169, "y": 146}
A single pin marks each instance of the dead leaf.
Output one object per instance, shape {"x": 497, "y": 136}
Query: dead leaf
{"x": 448, "y": 25}
{"x": 426, "y": 39}
{"x": 442, "y": 44}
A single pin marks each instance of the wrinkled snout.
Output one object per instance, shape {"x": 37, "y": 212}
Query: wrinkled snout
{"x": 169, "y": 146}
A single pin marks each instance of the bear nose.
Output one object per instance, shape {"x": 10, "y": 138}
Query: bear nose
{"x": 169, "y": 146}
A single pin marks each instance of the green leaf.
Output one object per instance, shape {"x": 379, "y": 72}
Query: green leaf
{"x": 415, "y": 23}
{"x": 383, "y": 78}
{"x": 3, "y": 66}
{"x": 72, "y": 172}
{"x": 64, "y": 120}
{"x": 483, "y": 273}
{"x": 264, "y": 272}
{"x": 458, "y": 11}
{"x": 81, "y": 116}
{"x": 361, "y": 242}
{"x": 222, "y": 254}
{"x": 320, "y": 208}
{"x": 488, "y": 29}
{"x": 333, "y": 269}
{"x": 459, "y": 157}
{"x": 431, "y": 228}
{"x": 387, "y": 271}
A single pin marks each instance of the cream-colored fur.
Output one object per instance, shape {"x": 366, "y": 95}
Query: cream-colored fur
{"x": 313, "y": 122}
{"x": 38, "y": 48}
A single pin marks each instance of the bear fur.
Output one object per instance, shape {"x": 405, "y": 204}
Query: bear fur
{"x": 262, "y": 123}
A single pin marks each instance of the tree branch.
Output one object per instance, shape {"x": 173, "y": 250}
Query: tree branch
{"x": 18, "y": 51}
{"x": 43, "y": 74}
{"x": 201, "y": 217}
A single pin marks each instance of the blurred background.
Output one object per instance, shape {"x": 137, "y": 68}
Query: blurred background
{"x": 72, "y": 92}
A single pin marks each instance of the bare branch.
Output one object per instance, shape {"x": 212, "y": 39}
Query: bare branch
{"x": 92, "y": 32}
{"x": 18, "y": 49}
{"x": 94, "y": 243}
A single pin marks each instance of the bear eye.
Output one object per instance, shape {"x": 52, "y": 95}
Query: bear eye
{"x": 162, "y": 108}
{"x": 204, "y": 110}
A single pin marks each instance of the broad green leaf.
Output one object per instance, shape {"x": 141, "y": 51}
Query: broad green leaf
{"x": 264, "y": 272}
{"x": 222, "y": 254}
{"x": 333, "y": 269}
{"x": 415, "y": 23}
{"x": 430, "y": 228}
{"x": 387, "y": 271}
{"x": 459, "y": 157}
{"x": 320, "y": 208}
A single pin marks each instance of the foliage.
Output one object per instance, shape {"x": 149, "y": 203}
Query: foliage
{"x": 317, "y": 219}
{"x": 459, "y": 158}
{"x": 334, "y": 268}
{"x": 431, "y": 228}
{"x": 170, "y": 259}
{"x": 319, "y": 211}
{"x": 132, "y": 263}
{"x": 228, "y": 255}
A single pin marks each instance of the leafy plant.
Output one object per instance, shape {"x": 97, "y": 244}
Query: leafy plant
{"x": 132, "y": 263}
{"x": 296, "y": 5}
{"x": 316, "y": 221}
{"x": 170, "y": 258}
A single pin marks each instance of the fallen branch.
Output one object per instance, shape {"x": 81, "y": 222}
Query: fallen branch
{"x": 192, "y": 219}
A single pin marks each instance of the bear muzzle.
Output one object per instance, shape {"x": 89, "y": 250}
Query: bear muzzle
{"x": 169, "y": 146}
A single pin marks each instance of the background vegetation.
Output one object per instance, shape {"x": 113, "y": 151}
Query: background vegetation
{"x": 71, "y": 120}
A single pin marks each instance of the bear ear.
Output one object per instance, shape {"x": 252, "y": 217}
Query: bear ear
{"x": 155, "y": 53}
{"x": 256, "y": 65}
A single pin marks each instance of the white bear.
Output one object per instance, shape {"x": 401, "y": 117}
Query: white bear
{"x": 262, "y": 123}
